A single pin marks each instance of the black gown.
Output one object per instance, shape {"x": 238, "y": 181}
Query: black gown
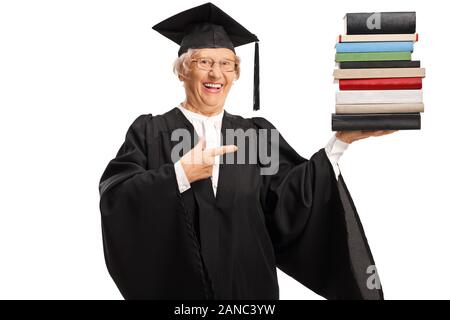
{"x": 163, "y": 244}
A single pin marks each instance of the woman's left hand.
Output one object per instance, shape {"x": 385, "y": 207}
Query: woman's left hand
{"x": 350, "y": 136}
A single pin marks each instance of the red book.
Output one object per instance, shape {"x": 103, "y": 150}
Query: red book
{"x": 380, "y": 84}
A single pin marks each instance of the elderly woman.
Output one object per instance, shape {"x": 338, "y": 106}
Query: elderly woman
{"x": 196, "y": 228}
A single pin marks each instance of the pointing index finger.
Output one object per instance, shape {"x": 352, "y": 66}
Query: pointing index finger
{"x": 223, "y": 149}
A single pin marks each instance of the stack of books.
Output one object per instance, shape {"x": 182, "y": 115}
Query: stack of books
{"x": 380, "y": 87}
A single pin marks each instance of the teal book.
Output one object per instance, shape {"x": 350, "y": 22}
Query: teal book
{"x": 380, "y": 46}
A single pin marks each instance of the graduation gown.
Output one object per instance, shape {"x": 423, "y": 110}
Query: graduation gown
{"x": 163, "y": 244}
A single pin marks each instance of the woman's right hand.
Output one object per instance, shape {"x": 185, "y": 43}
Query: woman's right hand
{"x": 198, "y": 162}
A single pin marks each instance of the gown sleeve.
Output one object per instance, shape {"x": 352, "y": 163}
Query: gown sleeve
{"x": 314, "y": 227}
{"x": 149, "y": 243}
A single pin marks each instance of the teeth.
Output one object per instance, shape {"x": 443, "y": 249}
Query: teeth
{"x": 213, "y": 85}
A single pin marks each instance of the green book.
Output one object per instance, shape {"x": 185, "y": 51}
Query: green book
{"x": 372, "y": 56}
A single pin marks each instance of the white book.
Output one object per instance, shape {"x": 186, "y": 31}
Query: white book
{"x": 379, "y": 96}
{"x": 379, "y": 73}
{"x": 377, "y": 37}
{"x": 380, "y": 108}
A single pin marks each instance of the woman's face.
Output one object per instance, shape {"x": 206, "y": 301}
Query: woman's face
{"x": 209, "y": 89}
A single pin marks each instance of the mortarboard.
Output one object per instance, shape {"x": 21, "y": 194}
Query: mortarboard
{"x": 207, "y": 26}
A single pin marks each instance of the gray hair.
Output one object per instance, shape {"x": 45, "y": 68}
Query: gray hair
{"x": 181, "y": 65}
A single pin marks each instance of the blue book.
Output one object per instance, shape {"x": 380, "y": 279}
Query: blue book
{"x": 388, "y": 46}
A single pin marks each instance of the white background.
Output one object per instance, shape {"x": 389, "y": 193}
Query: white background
{"x": 75, "y": 74}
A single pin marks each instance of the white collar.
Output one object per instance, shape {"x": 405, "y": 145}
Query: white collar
{"x": 197, "y": 116}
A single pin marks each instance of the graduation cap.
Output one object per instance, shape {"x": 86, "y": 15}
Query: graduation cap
{"x": 207, "y": 26}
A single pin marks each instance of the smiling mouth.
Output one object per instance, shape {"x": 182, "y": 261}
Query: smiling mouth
{"x": 212, "y": 87}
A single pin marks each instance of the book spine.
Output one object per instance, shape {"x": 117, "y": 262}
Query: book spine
{"x": 379, "y": 96}
{"x": 395, "y": 46}
{"x": 381, "y": 23}
{"x": 379, "y": 64}
{"x": 380, "y": 108}
{"x": 379, "y": 73}
{"x": 375, "y": 121}
{"x": 380, "y": 84}
{"x": 377, "y": 37}
{"x": 372, "y": 56}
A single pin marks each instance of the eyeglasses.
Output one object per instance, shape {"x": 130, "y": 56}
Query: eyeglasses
{"x": 208, "y": 64}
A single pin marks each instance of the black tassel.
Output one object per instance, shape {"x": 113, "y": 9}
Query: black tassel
{"x": 256, "y": 79}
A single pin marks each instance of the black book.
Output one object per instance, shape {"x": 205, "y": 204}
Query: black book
{"x": 379, "y": 64}
{"x": 381, "y": 22}
{"x": 375, "y": 121}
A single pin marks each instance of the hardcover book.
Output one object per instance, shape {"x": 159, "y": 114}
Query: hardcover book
{"x": 380, "y": 108}
{"x": 379, "y": 64}
{"x": 375, "y": 121}
{"x": 393, "y": 46}
{"x": 380, "y": 84}
{"x": 380, "y": 23}
{"x": 377, "y": 37}
{"x": 379, "y": 73}
{"x": 379, "y": 96}
{"x": 372, "y": 56}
